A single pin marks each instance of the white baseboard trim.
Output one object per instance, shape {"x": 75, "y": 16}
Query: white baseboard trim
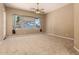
{"x": 2, "y": 38}
{"x": 76, "y": 49}
{"x": 60, "y": 36}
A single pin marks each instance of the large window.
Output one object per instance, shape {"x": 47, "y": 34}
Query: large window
{"x": 26, "y": 22}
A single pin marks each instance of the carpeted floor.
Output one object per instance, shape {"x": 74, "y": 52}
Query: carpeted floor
{"x": 37, "y": 44}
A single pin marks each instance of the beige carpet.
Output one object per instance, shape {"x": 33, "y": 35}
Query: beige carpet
{"x": 37, "y": 44}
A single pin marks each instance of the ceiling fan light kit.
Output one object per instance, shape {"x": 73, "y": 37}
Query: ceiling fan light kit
{"x": 37, "y": 10}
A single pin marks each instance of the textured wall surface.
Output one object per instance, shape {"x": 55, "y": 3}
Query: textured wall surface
{"x": 61, "y": 22}
{"x": 2, "y": 29}
{"x": 76, "y": 25}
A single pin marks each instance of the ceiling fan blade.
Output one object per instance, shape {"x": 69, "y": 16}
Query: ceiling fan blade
{"x": 41, "y": 9}
{"x": 32, "y": 8}
{"x": 42, "y": 12}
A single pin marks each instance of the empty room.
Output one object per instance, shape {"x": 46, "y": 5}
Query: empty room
{"x": 39, "y": 28}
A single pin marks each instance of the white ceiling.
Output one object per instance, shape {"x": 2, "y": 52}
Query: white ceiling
{"x": 27, "y": 6}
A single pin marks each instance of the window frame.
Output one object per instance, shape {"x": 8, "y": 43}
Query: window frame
{"x": 14, "y": 22}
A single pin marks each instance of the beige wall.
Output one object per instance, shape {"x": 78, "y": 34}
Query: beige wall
{"x": 76, "y": 25}
{"x": 60, "y": 22}
{"x": 2, "y": 25}
{"x": 11, "y": 11}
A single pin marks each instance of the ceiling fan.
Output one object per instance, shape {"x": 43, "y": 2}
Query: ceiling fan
{"x": 37, "y": 10}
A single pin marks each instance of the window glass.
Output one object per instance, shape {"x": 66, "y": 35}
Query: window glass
{"x": 26, "y": 22}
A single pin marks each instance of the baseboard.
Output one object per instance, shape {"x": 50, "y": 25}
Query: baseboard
{"x": 60, "y": 36}
{"x": 76, "y": 49}
{"x": 2, "y": 37}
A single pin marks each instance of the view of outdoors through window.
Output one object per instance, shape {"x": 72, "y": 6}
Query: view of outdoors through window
{"x": 26, "y": 22}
